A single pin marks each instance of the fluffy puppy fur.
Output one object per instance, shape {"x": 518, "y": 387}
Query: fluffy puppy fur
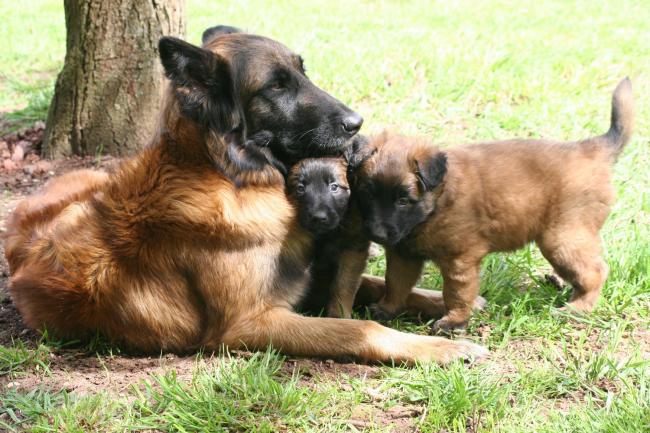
{"x": 455, "y": 206}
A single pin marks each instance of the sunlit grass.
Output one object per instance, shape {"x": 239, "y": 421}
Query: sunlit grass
{"x": 456, "y": 72}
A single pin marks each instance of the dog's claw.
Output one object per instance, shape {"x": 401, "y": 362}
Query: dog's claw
{"x": 472, "y": 352}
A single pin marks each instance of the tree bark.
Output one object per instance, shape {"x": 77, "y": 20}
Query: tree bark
{"x": 107, "y": 96}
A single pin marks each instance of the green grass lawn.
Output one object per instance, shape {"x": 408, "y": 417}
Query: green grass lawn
{"x": 455, "y": 71}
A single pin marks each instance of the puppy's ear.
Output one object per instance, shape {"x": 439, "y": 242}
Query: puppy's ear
{"x": 358, "y": 152}
{"x": 214, "y": 32}
{"x": 203, "y": 84}
{"x": 431, "y": 170}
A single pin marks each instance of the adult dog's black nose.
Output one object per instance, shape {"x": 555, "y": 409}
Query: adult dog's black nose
{"x": 352, "y": 123}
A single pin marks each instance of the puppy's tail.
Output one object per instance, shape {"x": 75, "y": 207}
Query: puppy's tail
{"x": 622, "y": 122}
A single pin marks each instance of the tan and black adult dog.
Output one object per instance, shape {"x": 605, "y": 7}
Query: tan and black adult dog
{"x": 193, "y": 242}
{"x": 457, "y": 205}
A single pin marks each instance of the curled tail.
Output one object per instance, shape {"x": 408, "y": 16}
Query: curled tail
{"x": 622, "y": 118}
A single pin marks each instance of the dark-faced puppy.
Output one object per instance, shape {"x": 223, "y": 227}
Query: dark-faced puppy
{"x": 320, "y": 189}
{"x": 456, "y": 206}
{"x": 321, "y": 192}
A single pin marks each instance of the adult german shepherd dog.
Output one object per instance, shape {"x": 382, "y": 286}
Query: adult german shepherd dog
{"x": 193, "y": 243}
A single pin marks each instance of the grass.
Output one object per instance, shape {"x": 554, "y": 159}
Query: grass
{"x": 18, "y": 357}
{"x": 455, "y": 71}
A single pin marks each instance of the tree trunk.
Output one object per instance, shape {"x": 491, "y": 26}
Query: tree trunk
{"x": 107, "y": 96}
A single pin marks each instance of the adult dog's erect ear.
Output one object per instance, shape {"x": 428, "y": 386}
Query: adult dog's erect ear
{"x": 186, "y": 64}
{"x": 431, "y": 170}
{"x": 216, "y": 31}
{"x": 203, "y": 84}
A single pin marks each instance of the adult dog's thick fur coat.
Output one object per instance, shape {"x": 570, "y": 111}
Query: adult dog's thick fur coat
{"x": 193, "y": 243}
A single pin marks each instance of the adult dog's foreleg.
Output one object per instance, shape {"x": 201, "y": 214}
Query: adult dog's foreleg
{"x": 294, "y": 334}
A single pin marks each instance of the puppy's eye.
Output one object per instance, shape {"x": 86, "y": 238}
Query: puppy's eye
{"x": 334, "y": 187}
{"x": 402, "y": 201}
{"x": 300, "y": 189}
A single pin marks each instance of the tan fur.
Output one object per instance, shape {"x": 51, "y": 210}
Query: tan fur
{"x": 497, "y": 197}
{"x": 167, "y": 253}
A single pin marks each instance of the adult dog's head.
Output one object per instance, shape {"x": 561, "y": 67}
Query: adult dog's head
{"x": 239, "y": 84}
{"x": 398, "y": 185}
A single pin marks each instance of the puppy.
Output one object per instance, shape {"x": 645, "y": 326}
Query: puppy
{"x": 455, "y": 206}
{"x": 320, "y": 190}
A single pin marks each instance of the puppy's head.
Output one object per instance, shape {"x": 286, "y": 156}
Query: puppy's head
{"x": 398, "y": 185}
{"x": 320, "y": 190}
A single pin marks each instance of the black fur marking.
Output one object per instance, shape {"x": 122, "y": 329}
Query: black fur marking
{"x": 203, "y": 83}
{"x": 432, "y": 171}
{"x": 252, "y": 155}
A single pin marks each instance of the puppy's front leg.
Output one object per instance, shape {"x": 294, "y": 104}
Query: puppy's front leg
{"x": 401, "y": 275}
{"x": 460, "y": 291}
{"x": 346, "y": 283}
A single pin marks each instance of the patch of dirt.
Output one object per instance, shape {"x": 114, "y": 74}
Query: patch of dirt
{"x": 396, "y": 419}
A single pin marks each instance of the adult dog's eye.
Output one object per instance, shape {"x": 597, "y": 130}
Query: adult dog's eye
{"x": 402, "y": 201}
{"x": 300, "y": 189}
{"x": 277, "y": 86}
{"x": 334, "y": 187}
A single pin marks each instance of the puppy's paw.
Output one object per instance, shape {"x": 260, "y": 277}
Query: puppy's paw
{"x": 337, "y": 311}
{"x": 479, "y": 303}
{"x": 568, "y": 313}
{"x": 448, "y": 327}
{"x": 577, "y": 307}
{"x": 261, "y": 138}
{"x": 555, "y": 281}
{"x": 377, "y": 312}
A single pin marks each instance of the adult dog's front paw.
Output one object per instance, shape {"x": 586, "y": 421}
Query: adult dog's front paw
{"x": 444, "y": 351}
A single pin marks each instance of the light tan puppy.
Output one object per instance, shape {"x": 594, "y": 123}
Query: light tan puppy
{"x": 455, "y": 206}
